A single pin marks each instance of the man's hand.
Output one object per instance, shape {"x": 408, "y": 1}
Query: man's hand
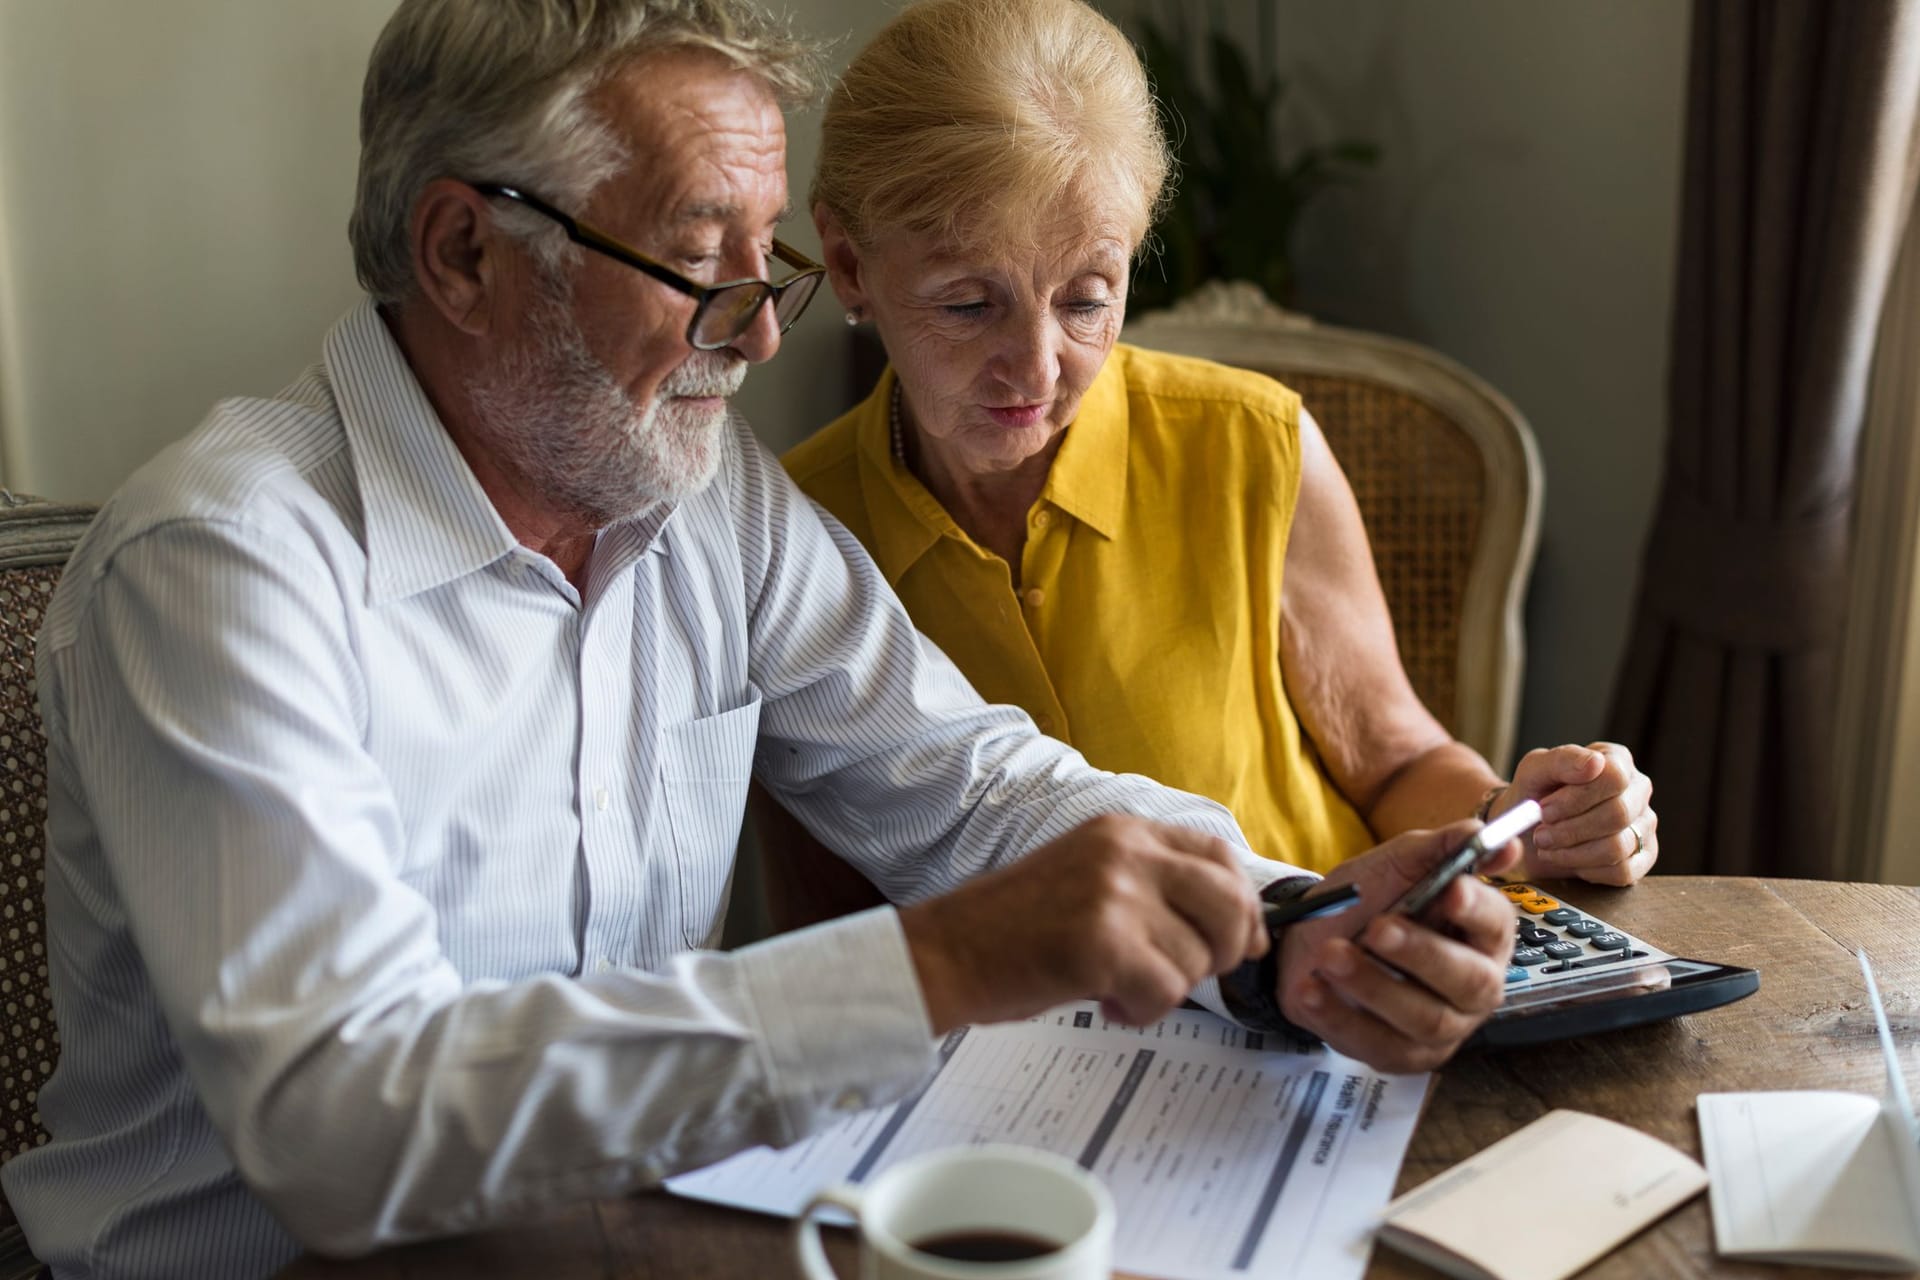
{"x": 1597, "y": 818}
{"x": 1442, "y": 974}
{"x": 1127, "y": 911}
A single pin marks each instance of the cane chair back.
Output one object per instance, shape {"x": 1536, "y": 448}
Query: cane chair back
{"x": 1448, "y": 482}
{"x": 35, "y": 540}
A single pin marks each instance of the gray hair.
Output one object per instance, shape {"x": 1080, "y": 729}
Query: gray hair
{"x": 497, "y": 90}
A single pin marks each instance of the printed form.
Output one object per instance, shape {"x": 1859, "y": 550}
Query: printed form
{"x": 1227, "y": 1154}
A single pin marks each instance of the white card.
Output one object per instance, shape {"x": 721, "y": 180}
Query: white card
{"x": 1817, "y": 1177}
{"x": 1465, "y": 1223}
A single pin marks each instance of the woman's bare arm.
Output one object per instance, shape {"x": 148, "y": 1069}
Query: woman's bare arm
{"x": 1385, "y": 751}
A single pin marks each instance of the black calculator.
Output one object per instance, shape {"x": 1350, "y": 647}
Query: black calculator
{"x": 1573, "y": 974}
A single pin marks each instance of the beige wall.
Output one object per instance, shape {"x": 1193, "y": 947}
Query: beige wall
{"x": 174, "y": 187}
{"x": 174, "y": 181}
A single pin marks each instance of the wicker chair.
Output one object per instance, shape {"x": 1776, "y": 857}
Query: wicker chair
{"x": 1446, "y": 475}
{"x": 35, "y": 540}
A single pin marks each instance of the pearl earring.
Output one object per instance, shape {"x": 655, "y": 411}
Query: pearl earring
{"x": 853, "y": 317}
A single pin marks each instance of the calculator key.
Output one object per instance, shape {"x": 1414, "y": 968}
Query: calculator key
{"x": 1519, "y": 891}
{"x": 1534, "y": 936}
{"x": 1529, "y": 956}
{"x": 1585, "y": 929}
{"x": 1610, "y": 941}
{"x": 1561, "y": 916}
{"x": 1537, "y": 904}
{"x": 1559, "y": 950}
{"x": 1516, "y": 974}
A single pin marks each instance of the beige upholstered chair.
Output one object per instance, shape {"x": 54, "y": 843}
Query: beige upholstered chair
{"x": 1446, "y": 475}
{"x": 35, "y": 540}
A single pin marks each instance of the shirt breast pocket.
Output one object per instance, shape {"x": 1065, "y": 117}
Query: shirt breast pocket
{"x": 705, "y": 770}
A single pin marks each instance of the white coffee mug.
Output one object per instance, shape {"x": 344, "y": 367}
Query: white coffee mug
{"x": 971, "y": 1202}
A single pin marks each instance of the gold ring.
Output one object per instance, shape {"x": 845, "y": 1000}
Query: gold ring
{"x": 1639, "y": 841}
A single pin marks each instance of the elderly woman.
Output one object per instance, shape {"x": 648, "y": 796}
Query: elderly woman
{"x": 1157, "y": 557}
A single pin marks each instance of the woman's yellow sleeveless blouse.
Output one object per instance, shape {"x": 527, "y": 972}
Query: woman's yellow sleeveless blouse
{"x": 1146, "y": 631}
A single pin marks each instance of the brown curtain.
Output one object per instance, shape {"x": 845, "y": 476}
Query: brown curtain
{"x": 1800, "y": 123}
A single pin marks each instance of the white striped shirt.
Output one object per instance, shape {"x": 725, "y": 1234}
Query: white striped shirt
{"x": 380, "y": 861}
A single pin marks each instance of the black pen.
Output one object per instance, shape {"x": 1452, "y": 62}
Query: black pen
{"x": 1309, "y": 908}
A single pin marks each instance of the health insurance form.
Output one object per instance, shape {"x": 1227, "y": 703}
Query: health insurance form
{"x": 1227, "y": 1154}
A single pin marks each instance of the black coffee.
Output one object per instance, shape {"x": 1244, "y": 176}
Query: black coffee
{"x": 987, "y": 1245}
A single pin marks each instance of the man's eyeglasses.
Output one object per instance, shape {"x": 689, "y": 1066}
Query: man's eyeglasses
{"x": 722, "y": 312}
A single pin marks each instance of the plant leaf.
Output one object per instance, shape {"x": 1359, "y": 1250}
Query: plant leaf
{"x": 1240, "y": 195}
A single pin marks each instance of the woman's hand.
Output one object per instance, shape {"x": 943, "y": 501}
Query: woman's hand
{"x": 1597, "y": 818}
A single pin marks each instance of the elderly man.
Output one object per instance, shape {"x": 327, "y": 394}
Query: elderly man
{"x": 400, "y": 724}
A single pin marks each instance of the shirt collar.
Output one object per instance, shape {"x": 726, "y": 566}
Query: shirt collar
{"x": 1088, "y": 479}
{"x": 428, "y": 520}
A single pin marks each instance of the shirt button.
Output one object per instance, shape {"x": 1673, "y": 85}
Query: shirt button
{"x": 1040, "y": 519}
{"x": 600, "y": 799}
{"x": 1035, "y": 597}
{"x": 602, "y": 964}
{"x": 850, "y": 1100}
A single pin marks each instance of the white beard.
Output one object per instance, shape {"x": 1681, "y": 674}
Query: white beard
{"x": 576, "y": 440}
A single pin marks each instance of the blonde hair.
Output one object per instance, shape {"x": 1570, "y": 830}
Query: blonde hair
{"x": 964, "y": 117}
{"x": 498, "y": 91}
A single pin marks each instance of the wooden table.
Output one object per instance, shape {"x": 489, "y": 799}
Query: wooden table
{"x": 1807, "y": 1027}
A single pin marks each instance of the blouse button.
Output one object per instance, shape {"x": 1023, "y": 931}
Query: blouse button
{"x": 1040, "y": 519}
{"x": 1044, "y": 724}
{"x": 1035, "y": 597}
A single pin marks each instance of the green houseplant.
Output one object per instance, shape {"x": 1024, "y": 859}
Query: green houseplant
{"x": 1239, "y": 193}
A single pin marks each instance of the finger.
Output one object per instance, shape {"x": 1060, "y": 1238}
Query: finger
{"x": 1216, "y": 852}
{"x": 1424, "y": 966}
{"x": 1465, "y": 971}
{"x": 1625, "y": 873}
{"x": 1478, "y": 916}
{"x": 1411, "y": 854}
{"x": 1547, "y": 769}
{"x": 1602, "y": 821}
{"x": 1182, "y": 945}
{"x": 1622, "y": 839}
{"x": 1411, "y": 1010}
{"x": 1616, "y": 773}
{"x": 1621, "y": 874}
{"x": 1215, "y": 904}
{"x": 1145, "y": 989}
{"x": 1318, "y": 1008}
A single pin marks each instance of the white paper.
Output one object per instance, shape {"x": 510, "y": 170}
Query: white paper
{"x": 1464, "y": 1221}
{"x": 1818, "y": 1177}
{"x": 1225, "y": 1158}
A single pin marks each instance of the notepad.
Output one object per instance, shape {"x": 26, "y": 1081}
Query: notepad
{"x": 1817, "y": 1177}
{"x": 1464, "y": 1222}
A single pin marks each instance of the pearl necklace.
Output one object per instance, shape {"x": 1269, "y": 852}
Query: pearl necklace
{"x": 893, "y": 425}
